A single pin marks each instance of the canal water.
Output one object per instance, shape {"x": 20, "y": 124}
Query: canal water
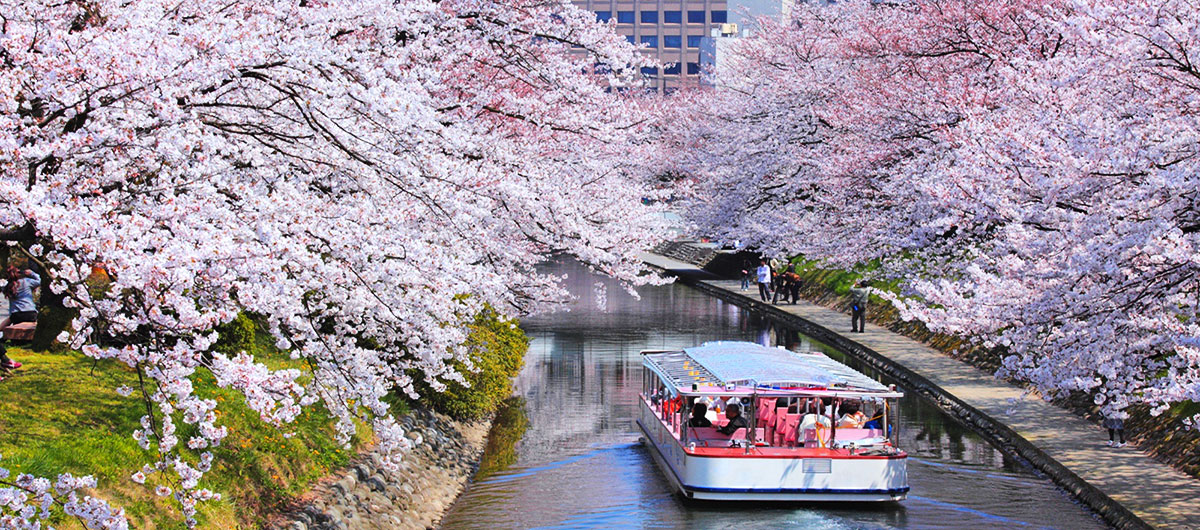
{"x": 564, "y": 452}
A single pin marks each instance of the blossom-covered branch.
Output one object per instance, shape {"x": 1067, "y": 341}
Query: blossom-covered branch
{"x": 1027, "y": 167}
{"x": 366, "y": 176}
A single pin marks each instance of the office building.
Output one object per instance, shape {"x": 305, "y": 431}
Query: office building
{"x": 671, "y": 30}
{"x": 674, "y": 31}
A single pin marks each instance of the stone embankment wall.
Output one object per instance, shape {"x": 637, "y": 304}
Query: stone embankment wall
{"x": 365, "y": 495}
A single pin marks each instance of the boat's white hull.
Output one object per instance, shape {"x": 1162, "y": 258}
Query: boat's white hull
{"x": 855, "y": 479}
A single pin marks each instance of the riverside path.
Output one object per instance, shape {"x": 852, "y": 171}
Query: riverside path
{"x": 1127, "y": 487}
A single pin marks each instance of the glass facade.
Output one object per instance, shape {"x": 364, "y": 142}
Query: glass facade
{"x": 669, "y": 32}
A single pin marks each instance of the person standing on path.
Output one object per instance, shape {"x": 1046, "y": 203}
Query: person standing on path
{"x": 764, "y": 281}
{"x": 746, "y": 266}
{"x": 1116, "y": 431}
{"x": 858, "y": 307}
{"x": 795, "y": 283}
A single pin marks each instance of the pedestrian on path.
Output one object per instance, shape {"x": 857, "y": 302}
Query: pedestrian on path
{"x": 764, "y": 281}
{"x": 1116, "y": 431}
{"x": 858, "y": 307}
{"x": 786, "y": 285}
{"x": 795, "y": 285}
{"x": 746, "y": 266}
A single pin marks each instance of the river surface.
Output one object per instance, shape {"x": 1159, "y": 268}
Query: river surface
{"x": 564, "y": 453}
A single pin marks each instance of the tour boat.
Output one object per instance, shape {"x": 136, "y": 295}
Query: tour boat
{"x": 821, "y": 430}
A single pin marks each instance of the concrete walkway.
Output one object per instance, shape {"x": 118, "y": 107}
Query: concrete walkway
{"x": 1159, "y": 495}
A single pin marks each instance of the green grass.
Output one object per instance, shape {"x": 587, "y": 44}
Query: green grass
{"x": 60, "y": 413}
{"x": 839, "y": 281}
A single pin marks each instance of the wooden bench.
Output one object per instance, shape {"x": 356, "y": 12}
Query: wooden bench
{"x": 20, "y": 332}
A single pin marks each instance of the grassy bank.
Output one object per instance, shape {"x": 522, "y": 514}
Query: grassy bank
{"x": 1164, "y": 437}
{"x": 60, "y": 413}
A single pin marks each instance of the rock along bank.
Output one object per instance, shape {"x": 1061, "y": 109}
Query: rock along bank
{"x": 366, "y": 495}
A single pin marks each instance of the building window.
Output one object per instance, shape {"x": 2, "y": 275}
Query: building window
{"x": 671, "y": 70}
{"x": 719, "y": 17}
{"x": 693, "y": 68}
{"x": 672, "y": 41}
{"x": 624, "y": 17}
{"x": 694, "y": 41}
{"x": 649, "y": 71}
{"x": 695, "y": 17}
{"x": 651, "y": 41}
{"x": 604, "y": 16}
{"x": 631, "y": 39}
{"x": 649, "y": 17}
{"x": 673, "y": 17}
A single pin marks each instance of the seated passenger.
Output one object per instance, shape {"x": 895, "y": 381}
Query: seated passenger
{"x": 810, "y": 421}
{"x": 736, "y": 420}
{"x": 698, "y": 419}
{"x": 853, "y": 418}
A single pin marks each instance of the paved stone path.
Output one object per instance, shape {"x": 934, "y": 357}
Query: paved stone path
{"x": 1157, "y": 493}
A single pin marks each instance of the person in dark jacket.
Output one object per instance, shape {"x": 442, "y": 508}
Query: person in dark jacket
{"x": 698, "y": 419}
{"x": 736, "y": 420}
{"x": 858, "y": 307}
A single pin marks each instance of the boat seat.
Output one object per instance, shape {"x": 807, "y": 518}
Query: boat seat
{"x": 778, "y": 429}
{"x": 858, "y": 434}
{"x": 787, "y": 434}
{"x": 711, "y": 434}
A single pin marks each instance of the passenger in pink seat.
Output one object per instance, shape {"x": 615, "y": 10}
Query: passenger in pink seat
{"x": 736, "y": 420}
{"x": 853, "y": 418}
{"x": 699, "y": 410}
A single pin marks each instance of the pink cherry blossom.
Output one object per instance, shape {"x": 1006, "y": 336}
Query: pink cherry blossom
{"x": 366, "y": 176}
{"x": 1026, "y": 168}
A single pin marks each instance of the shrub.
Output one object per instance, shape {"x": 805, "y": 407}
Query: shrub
{"x": 236, "y": 335}
{"x": 497, "y": 348}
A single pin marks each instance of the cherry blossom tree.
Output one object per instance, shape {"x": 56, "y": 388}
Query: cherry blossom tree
{"x": 364, "y": 175}
{"x": 1027, "y": 167}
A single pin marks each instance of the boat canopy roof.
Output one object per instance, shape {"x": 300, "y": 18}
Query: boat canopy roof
{"x": 755, "y": 365}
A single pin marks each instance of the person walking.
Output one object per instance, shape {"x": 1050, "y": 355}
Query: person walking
{"x": 764, "y": 280}
{"x": 21, "y": 308}
{"x": 858, "y": 307}
{"x": 1116, "y": 431}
